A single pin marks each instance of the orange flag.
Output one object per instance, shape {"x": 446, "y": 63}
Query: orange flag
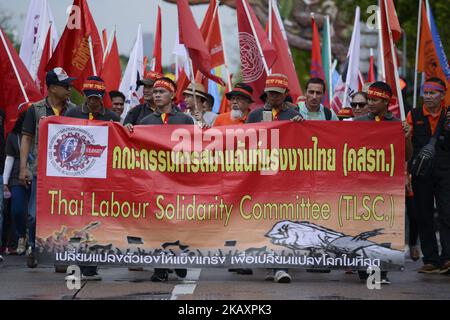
{"x": 428, "y": 58}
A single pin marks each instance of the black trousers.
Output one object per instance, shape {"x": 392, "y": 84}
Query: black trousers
{"x": 411, "y": 211}
{"x": 425, "y": 192}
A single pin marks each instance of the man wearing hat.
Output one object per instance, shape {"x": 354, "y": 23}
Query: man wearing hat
{"x": 241, "y": 99}
{"x": 56, "y": 103}
{"x": 425, "y": 123}
{"x": 93, "y": 109}
{"x": 275, "y": 108}
{"x": 194, "y": 106}
{"x": 139, "y": 112}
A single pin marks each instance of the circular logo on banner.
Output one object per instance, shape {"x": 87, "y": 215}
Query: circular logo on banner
{"x": 251, "y": 62}
{"x": 72, "y": 151}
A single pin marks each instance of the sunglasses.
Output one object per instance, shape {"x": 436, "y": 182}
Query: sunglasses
{"x": 360, "y": 105}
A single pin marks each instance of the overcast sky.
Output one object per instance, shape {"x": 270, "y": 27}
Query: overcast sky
{"x": 126, "y": 15}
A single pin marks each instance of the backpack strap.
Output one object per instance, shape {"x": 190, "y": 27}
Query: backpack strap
{"x": 327, "y": 113}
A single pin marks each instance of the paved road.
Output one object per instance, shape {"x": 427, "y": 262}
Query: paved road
{"x": 19, "y": 282}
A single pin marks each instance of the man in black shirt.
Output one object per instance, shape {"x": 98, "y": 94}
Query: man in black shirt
{"x": 93, "y": 109}
{"x": 137, "y": 113}
{"x": 275, "y": 107}
{"x": 56, "y": 103}
{"x": 166, "y": 112}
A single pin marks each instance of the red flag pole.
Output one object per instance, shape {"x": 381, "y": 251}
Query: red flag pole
{"x": 419, "y": 26}
{"x": 394, "y": 58}
{"x": 193, "y": 88}
{"x": 227, "y": 70}
{"x": 14, "y": 66}
{"x": 256, "y": 36}
{"x": 381, "y": 49}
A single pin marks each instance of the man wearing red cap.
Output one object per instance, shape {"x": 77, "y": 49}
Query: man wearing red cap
{"x": 139, "y": 112}
{"x": 275, "y": 108}
{"x": 56, "y": 103}
{"x": 433, "y": 120}
{"x": 93, "y": 109}
{"x": 241, "y": 99}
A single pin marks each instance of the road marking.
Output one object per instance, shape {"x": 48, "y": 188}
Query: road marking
{"x": 187, "y": 286}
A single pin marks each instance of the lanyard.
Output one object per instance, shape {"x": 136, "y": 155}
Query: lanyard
{"x": 275, "y": 114}
{"x": 165, "y": 118}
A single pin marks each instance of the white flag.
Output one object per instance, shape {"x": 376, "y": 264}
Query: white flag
{"x": 348, "y": 84}
{"x": 133, "y": 72}
{"x": 38, "y": 20}
{"x": 181, "y": 58}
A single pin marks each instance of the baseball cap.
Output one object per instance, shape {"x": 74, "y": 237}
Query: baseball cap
{"x": 94, "y": 87}
{"x": 58, "y": 77}
{"x": 276, "y": 82}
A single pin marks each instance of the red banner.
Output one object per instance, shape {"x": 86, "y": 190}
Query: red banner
{"x": 270, "y": 194}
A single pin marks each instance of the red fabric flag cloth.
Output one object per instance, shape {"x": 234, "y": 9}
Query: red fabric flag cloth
{"x": 157, "y": 51}
{"x": 316, "y": 70}
{"x": 72, "y": 52}
{"x": 192, "y": 39}
{"x": 45, "y": 58}
{"x": 253, "y": 70}
{"x": 11, "y": 94}
{"x": 284, "y": 63}
{"x": 111, "y": 72}
{"x": 387, "y": 47}
{"x": 428, "y": 59}
{"x": 210, "y": 30}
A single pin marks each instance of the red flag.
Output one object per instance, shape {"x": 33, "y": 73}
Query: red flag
{"x": 388, "y": 47}
{"x": 111, "y": 72}
{"x": 428, "y": 59}
{"x": 45, "y": 58}
{"x": 316, "y": 54}
{"x": 316, "y": 70}
{"x": 371, "y": 75}
{"x": 156, "y": 65}
{"x": 192, "y": 39}
{"x": 13, "y": 74}
{"x": 284, "y": 63}
{"x": 210, "y": 30}
{"x": 254, "y": 71}
{"x": 73, "y": 53}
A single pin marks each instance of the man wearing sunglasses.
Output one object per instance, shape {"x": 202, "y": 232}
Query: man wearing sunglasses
{"x": 56, "y": 103}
